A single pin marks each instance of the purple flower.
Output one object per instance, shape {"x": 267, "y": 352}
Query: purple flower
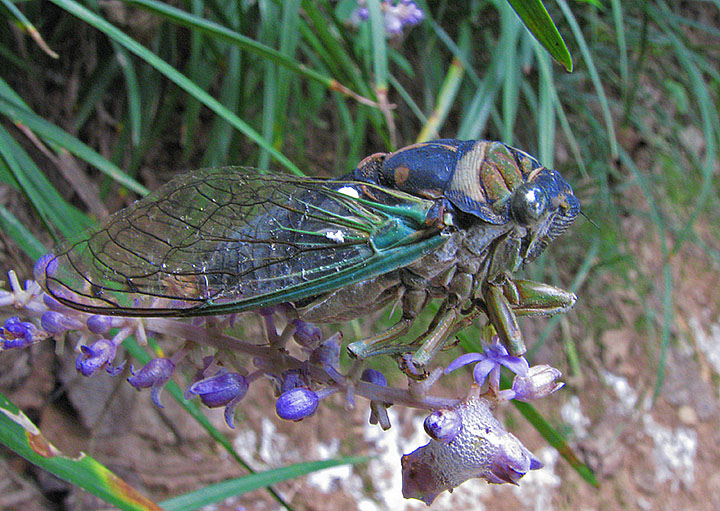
{"x": 223, "y": 389}
{"x": 489, "y": 363}
{"x": 397, "y": 14}
{"x": 481, "y": 448}
{"x": 155, "y": 374}
{"x": 97, "y": 356}
{"x": 296, "y": 404}
{"x": 540, "y": 382}
{"x": 18, "y": 334}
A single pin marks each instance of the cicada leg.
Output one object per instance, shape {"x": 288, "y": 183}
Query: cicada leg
{"x": 381, "y": 343}
{"x": 448, "y": 321}
{"x": 413, "y": 302}
{"x": 506, "y": 299}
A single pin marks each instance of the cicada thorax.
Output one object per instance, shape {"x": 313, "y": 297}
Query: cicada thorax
{"x": 477, "y": 177}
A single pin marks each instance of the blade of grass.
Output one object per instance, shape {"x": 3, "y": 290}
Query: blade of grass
{"x": 24, "y": 24}
{"x": 540, "y": 24}
{"x": 220, "y": 491}
{"x": 27, "y": 242}
{"x": 594, "y": 76}
{"x": 510, "y": 32}
{"x": 60, "y": 138}
{"x": 20, "y": 435}
{"x": 52, "y": 209}
{"x": 200, "y": 24}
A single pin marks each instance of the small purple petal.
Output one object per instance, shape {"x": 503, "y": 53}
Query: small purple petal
{"x": 297, "y": 404}
{"x": 230, "y": 412}
{"x": 517, "y": 365}
{"x": 467, "y": 358}
{"x": 482, "y": 370}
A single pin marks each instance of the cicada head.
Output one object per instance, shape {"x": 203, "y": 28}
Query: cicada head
{"x": 546, "y": 206}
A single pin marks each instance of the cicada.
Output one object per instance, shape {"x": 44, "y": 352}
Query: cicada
{"x": 448, "y": 219}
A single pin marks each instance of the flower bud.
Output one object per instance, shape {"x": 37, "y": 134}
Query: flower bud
{"x": 306, "y": 334}
{"x": 56, "y": 323}
{"x": 539, "y": 382}
{"x": 99, "y": 324}
{"x": 443, "y": 425}
{"x": 296, "y": 404}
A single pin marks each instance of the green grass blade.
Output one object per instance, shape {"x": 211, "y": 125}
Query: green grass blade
{"x": 265, "y": 52}
{"x": 21, "y": 436}
{"x": 540, "y": 24}
{"x": 226, "y": 489}
{"x": 594, "y": 76}
{"x": 510, "y": 34}
{"x": 27, "y": 242}
{"x": 173, "y": 75}
{"x": 47, "y": 202}
{"x": 621, "y": 42}
{"x": 445, "y": 101}
{"x": 60, "y": 138}
{"x": 24, "y": 24}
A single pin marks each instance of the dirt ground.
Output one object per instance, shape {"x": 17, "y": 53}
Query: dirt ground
{"x": 647, "y": 454}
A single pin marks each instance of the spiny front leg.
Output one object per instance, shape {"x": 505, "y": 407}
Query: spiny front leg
{"x": 413, "y": 301}
{"x": 506, "y": 299}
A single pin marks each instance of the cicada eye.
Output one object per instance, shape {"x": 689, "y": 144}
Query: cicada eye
{"x": 529, "y": 203}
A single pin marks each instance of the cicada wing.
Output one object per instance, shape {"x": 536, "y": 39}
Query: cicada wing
{"x": 227, "y": 240}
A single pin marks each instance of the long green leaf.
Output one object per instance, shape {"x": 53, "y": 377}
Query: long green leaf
{"x": 218, "y": 492}
{"x": 20, "y": 435}
{"x": 540, "y": 24}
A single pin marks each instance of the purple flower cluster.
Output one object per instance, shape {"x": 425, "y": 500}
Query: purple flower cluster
{"x": 397, "y": 14}
{"x": 466, "y": 439}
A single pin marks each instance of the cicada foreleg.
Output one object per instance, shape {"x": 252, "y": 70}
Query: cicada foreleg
{"x": 506, "y": 299}
{"x": 383, "y": 343}
{"x": 448, "y": 321}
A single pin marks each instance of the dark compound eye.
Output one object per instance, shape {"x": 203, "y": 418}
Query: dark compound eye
{"x": 529, "y": 203}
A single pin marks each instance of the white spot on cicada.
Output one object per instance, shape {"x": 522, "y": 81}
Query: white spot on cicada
{"x": 349, "y": 191}
{"x": 336, "y": 236}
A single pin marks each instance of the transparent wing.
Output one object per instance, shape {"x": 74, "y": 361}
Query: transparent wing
{"x": 227, "y": 240}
